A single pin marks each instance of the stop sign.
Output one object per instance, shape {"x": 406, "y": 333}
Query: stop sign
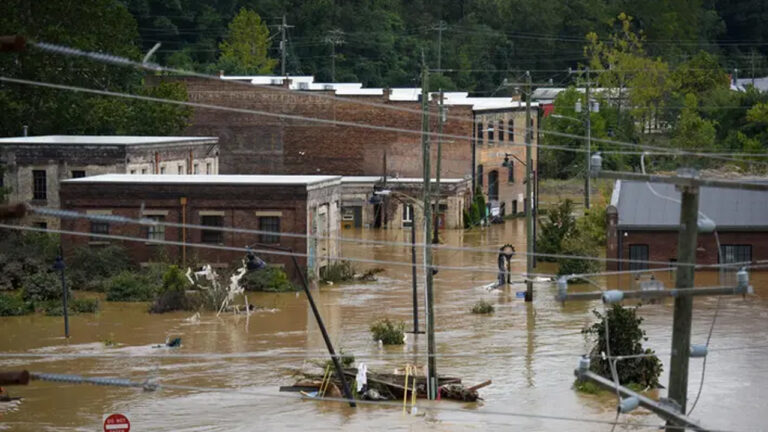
{"x": 117, "y": 422}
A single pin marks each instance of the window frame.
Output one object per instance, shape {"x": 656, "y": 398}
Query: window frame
{"x": 156, "y": 232}
{"x": 500, "y": 125}
{"x": 636, "y": 263}
{"x": 104, "y": 231}
{"x": 736, "y": 248}
{"x": 212, "y": 236}
{"x": 269, "y": 223}
{"x": 37, "y": 193}
{"x": 407, "y": 215}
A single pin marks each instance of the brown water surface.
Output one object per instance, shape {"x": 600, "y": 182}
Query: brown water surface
{"x": 529, "y": 351}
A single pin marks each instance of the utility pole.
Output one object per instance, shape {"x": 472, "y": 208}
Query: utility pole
{"x": 440, "y": 121}
{"x": 59, "y": 266}
{"x": 683, "y": 313}
{"x": 429, "y": 295}
{"x": 283, "y": 45}
{"x": 528, "y": 192}
{"x": 440, "y": 27}
{"x": 589, "y": 145}
{"x": 335, "y": 37}
{"x": 413, "y": 277}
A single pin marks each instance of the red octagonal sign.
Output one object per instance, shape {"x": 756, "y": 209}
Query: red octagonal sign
{"x": 117, "y": 422}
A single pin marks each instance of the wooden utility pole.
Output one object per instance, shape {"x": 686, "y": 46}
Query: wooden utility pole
{"x": 528, "y": 192}
{"x": 588, "y": 111}
{"x": 440, "y": 121}
{"x": 335, "y": 37}
{"x": 283, "y": 45}
{"x": 440, "y": 27}
{"x": 429, "y": 296}
{"x": 681, "y": 327}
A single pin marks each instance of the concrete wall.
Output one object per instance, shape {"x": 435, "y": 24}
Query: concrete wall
{"x": 239, "y": 205}
{"x": 266, "y": 144}
{"x": 60, "y": 160}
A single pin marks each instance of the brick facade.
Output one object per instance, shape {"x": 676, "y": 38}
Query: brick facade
{"x": 264, "y": 144}
{"x": 239, "y": 205}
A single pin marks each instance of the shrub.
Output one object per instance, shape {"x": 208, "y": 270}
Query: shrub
{"x": 577, "y": 247}
{"x": 42, "y": 287}
{"x": 130, "y": 286}
{"x": 22, "y": 254}
{"x": 91, "y": 267}
{"x": 269, "y": 279}
{"x": 175, "y": 280}
{"x": 339, "y": 271}
{"x": 559, "y": 225}
{"x": 75, "y": 306}
{"x": 173, "y": 294}
{"x": 482, "y": 307}
{"x": 626, "y": 339}
{"x": 388, "y": 332}
{"x": 347, "y": 360}
{"x": 14, "y": 305}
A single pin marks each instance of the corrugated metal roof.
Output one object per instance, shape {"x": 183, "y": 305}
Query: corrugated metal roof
{"x": 640, "y": 208}
{"x": 207, "y": 179}
{"x": 106, "y": 140}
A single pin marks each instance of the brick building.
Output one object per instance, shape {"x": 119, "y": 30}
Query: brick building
{"x": 34, "y": 166}
{"x": 400, "y": 205}
{"x": 643, "y": 225}
{"x": 267, "y": 144}
{"x": 286, "y": 204}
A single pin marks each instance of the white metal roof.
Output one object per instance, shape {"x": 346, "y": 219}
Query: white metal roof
{"x": 207, "y": 179}
{"x": 107, "y": 140}
{"x": 409, "y": 94}
{"x": 360, "y": 91}
{"x": 374, "y": 179}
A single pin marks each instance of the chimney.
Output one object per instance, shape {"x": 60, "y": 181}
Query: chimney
{"x": 25, "y": 130}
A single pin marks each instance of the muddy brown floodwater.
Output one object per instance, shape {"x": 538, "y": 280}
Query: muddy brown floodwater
{"x": 529, "y": 351}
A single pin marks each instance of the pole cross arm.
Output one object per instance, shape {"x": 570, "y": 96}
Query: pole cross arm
{"x": 664, "y": 293}
{"x": 682, "y": 180}
{"x": 662, "y": 410}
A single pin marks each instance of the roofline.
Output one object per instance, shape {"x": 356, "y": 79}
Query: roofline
{"x": 310, "y": 185}
{"x": 674, "y": 228}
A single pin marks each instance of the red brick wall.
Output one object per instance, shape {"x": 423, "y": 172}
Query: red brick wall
{"x": 238, "y": 203}
{"x": 662, "y": 245}
{"x": 260, "y": 144}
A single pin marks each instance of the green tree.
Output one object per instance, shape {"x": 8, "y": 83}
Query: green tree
{"x": 244, "y": 51}
{"x": 693, "y": 131}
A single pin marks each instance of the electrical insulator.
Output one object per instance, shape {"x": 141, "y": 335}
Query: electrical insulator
{"x": 698, "y": 351}
{"x": 706, "y": 225}
{"x": 595, "y": 164}
{"x": 628, "y": 404}
{"x": 562, "y": 287}
{"x": 613, "y": 296}
{"x": 742, "y": 278}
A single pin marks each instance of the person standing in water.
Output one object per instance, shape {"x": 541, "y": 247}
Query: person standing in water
{"x": 506, "y": 253}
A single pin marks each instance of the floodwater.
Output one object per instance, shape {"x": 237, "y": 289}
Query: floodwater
{"x": 529, "y": 351}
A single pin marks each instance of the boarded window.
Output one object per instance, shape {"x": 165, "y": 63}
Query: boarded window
{"x": 39, "y": 185}
{"x": 212, "y": 236}
{"x": 638, "y": 256}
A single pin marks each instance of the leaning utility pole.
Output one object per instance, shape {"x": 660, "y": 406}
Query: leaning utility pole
{"x": 283, "y": 45}
{"x": 528, "y": 192}
{"x": 440, "y": 121}
{"x": 683, "y": 313}
{"x": 429, "y": 295}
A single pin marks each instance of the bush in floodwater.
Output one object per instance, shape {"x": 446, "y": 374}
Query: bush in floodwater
{"x": 43, "y": 286}
{"x": 130, "y": 287}
{"x": 75, "y": 306}
{"x": 626, "y": 339}
{"x": 339, "y": 271}
{"x": 482, "y": 307}
{"x": 269, "y": 279}
{"x": 173, "y": 293}
{"x": 388, "y": 332}
{"x": 14, "y": 305}
{"x": 92, "y": 267}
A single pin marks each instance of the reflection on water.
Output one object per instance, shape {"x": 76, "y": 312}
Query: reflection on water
{"x": 529, "y": 351}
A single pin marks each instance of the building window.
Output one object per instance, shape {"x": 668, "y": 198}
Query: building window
{"x": 39, "y": 185}
{"x": 156, "y": 232}
{"x": 208, "y": 168}
{"x": 490, "y": 133}
{"x": 501, "y": 130}
{"x": 269, "y": 224}
{"x": 514, "y": 207}
{"x": 511, "y": 129}
{"x": 78, "y": 174}
{"x": 493, "y": 185}
{"x": 480, "y": 181}
{"x": 732, "y": 254}
{"x": 143, "y": 170}
{"x": 638, "y": 256}
{"x": 511, "y": 171}
{"x": 181, "y": 169}
{"x": 196, "y": 169}
{"x": 133, "y": 171}
{"x": 162, "y": 170}
{"x": 480, "y": 132}
{"x": 41, "y": 225}
{"x": 99, "y": 227}
{"x": 407, "y": 215}
{"x": 212, "y": 236}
